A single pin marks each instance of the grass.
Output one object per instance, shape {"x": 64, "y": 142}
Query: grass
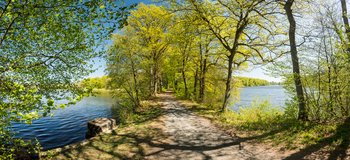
{"x": 259, "y": 123}
{"x": 122, "y": 143}
{"x": 271, "y": 125}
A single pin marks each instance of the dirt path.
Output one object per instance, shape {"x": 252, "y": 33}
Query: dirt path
{"x": 188, "y": 136}
{"x": 175, "y": 133}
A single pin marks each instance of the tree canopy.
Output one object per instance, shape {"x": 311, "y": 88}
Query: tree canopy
{"x": 45, "y": 49}
{"x": 196, "y": 47}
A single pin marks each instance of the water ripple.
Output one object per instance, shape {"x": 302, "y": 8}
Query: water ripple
{"x": 68, "y": 125}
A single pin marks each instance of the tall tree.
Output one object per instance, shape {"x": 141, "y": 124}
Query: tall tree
{"x": 346, "y": 43}
{"x": 182, "y": 41}
{"x": 123, "y": 65}
{"x": 151, "y": 25}
{"x": 345, "y": 20}
{"x": 204, "y": 63}
{"x": 242, "y": 28}
{"x": 302, "y": 115}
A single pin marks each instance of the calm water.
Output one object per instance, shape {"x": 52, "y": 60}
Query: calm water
{"x": 275, "y": 94}
{"x": 68, "y": 125}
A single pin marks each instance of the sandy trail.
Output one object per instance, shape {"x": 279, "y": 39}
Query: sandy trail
{"x": 177, "y": 133}
{"x": 188, "y": 136}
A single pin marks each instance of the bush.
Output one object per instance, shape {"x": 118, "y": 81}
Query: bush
{"x": 13, "y": 148}
{"x": 259, "y": 116}
{"x": 123, "y": 112}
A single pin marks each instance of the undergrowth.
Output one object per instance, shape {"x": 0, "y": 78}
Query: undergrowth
{"x": 125, "y": 113}
{"x": 271, "y": 124}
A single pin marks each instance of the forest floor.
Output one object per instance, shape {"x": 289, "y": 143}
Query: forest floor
{"x": 176, "y": 133}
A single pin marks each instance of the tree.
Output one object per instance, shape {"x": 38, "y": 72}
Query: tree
{"x": 182, "y": 42}
{"x": 136, "y": 57}
{"x": 96, "y": 82}
{"x": 345, "y": 21}
{"x": 346, "y": 43}
{"x": 204, "y": 62}
{"x": 123, "y": 67}
{"x": 45, "y": 48}
{"x": 323, "y": 61}
{"x": 151, "y": 24}
{"x": 243, "y": 28}
{"x": 302, "y": 115}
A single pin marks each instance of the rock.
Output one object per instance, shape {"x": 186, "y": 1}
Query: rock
{"x": 98, "y": 125}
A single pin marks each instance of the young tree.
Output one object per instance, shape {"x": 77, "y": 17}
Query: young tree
{"x": 123, "y": 66}
{"x": 183, "y": 41}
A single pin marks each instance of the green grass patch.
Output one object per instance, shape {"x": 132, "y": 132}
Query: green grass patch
{"x": 266, "y": 123}
{"x": 122, "y": 143}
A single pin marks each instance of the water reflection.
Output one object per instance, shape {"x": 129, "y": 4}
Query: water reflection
{"x": 68, "y": 125}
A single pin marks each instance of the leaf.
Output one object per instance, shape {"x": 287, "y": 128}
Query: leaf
{"x": 50, "y": 102}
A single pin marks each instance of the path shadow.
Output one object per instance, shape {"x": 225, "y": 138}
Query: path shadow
{"x": 153, "y": 137}
{"x": 107, "y": 144}
{"x": 342, "y": 134}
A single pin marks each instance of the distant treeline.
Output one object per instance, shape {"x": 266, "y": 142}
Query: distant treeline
{"x": 249, "y": 82}
{"x": 102, "y": 82}
{"x": 96, "y": 82}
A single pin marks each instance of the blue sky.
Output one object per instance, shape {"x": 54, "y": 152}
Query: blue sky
{"x": 255, "y": 72}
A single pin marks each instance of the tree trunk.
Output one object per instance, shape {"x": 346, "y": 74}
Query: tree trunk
{"x": 302, "y": 115}
{"x": 155, "y": 74}
{"x": 155, "y": 80}
{"x": 160, "y": 79}
{"x": 137, "y": 99}
{"x": 347, "y": 32}
{"x": 228, "y": 83}
{"x": 200, "y": 96}
{"x": 195, "y": 83}
{"x": 184, "y": 77}
{"x": 202, "y": 80}
{"x": 345, "y": 20}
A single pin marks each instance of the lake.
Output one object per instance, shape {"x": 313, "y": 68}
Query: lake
{"x": 275, "y": 94}
{"x": 69, "y": 125}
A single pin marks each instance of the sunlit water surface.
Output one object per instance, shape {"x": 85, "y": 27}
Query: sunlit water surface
{"x": 68, "y": 125}
{"x": 275, "y": 94}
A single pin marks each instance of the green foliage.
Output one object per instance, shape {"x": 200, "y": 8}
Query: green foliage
{"x": 45, "y": 49}
{"x": 291, "y": 110}
{"x": 97, "y": 82}
{"x": 135, "y": 70}
{"x": 249, "y": 82}
{"x": 265, "y": 122}
{"x": 258, "y": 116}
{"x": 324, "y": 64}
{"x": 123, "y": 111}
{"x": 178, "y": 52}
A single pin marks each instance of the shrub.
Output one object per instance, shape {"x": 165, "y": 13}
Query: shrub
{"x": 259, "y": 116}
